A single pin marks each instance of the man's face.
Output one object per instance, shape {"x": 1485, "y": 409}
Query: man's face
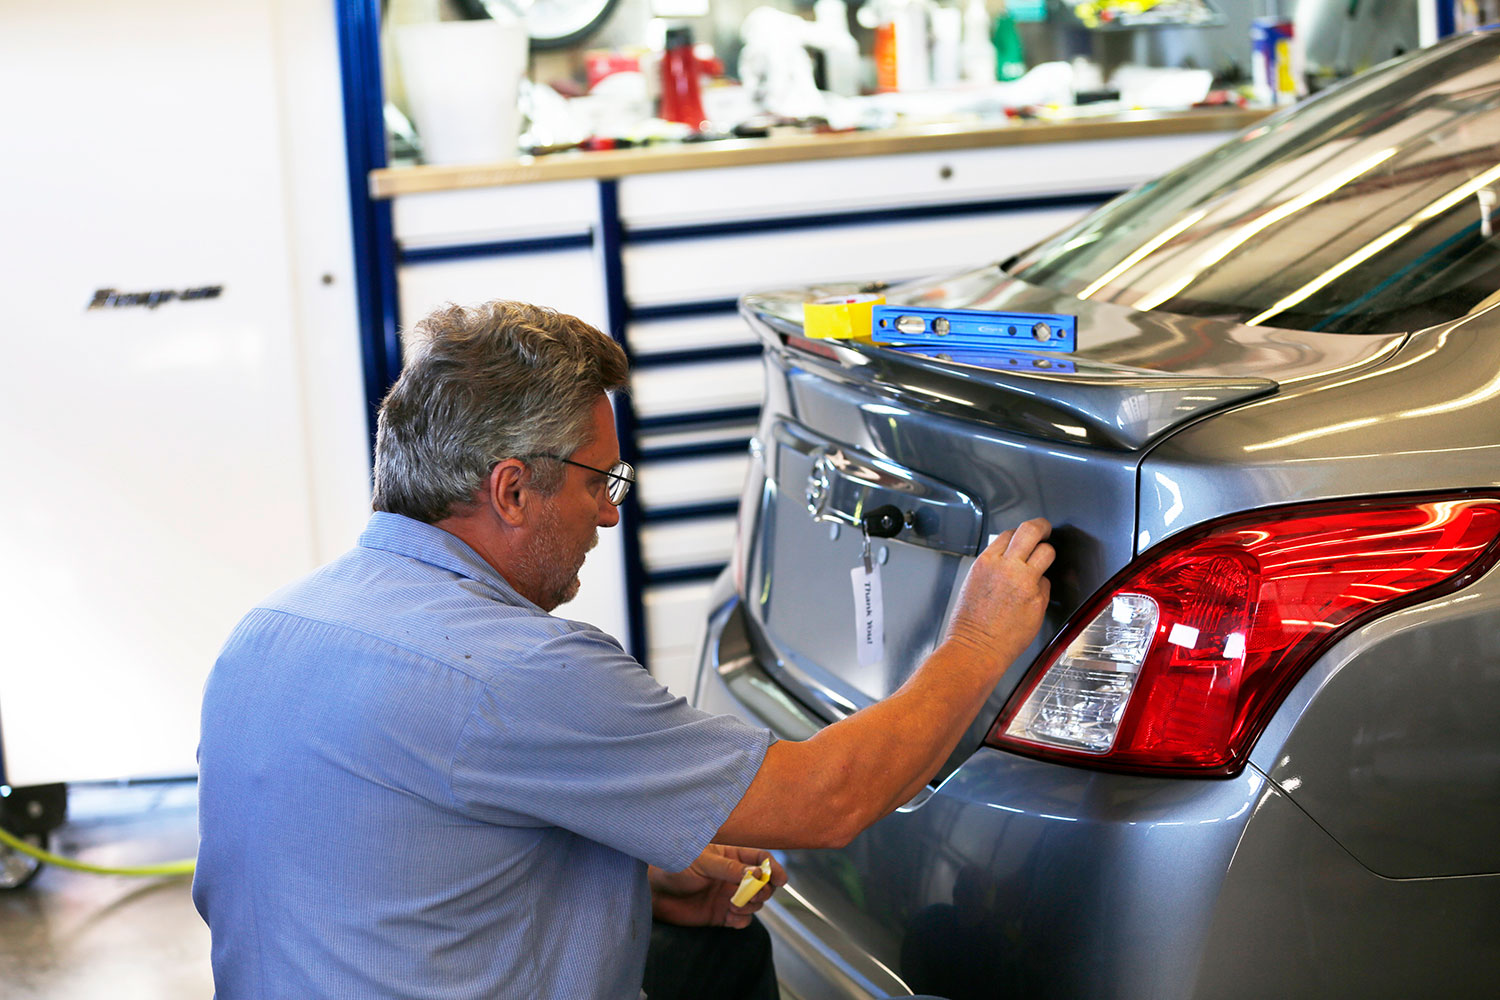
{"x": 569, "y": 519}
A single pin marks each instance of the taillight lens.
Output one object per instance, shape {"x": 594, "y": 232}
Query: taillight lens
{"x": 1179, "y": 662}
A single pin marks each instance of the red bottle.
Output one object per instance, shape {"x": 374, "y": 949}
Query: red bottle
{"x": 680, "y": 101}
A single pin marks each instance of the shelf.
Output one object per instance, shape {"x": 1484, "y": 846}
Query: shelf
{"x": 390, "y": 182}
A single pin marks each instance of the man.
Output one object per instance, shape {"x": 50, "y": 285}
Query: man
{"x": 415, "y": 781}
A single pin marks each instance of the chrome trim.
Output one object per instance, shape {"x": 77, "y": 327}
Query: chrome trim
{"x": 813, "y": 956}
{"x": 840, "y": 483}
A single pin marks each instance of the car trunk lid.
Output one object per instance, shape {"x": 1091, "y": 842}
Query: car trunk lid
{"x": 963, "y": 453}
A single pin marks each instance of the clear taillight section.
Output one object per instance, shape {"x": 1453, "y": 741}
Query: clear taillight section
{"x": 1178, "y": 664}
{"x": 1080, "y": 702}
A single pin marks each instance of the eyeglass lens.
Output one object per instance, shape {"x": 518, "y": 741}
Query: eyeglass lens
{"x": 621, "y": 476}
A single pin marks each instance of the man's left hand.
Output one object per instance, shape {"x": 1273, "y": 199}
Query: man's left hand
{"x": 698, "y": 896}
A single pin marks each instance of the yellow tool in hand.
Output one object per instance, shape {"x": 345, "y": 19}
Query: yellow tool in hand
{"x": 755, "y": 879}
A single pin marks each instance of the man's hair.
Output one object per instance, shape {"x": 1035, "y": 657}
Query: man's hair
{"x": 481, "y": 384}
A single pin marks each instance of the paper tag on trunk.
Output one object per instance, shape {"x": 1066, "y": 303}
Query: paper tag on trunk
{"x": 869, "y": 614}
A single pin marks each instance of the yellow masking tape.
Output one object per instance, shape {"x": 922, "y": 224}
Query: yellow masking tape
{"x": 845, "y": 317}
{"x": 754, "y": 881}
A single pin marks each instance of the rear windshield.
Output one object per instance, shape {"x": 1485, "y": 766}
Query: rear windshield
{"x": 1369, "y": 209}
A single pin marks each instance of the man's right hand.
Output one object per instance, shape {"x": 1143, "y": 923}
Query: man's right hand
{"x": 1002, "y": 601}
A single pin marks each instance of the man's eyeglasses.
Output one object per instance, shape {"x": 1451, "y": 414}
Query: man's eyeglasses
{"x": 621, "y": 477}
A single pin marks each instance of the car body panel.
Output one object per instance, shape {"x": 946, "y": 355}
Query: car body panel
{"x": 1389, "y": 742}
{"x": 796, "y": 562}
{"x": 1425, "y": 420}
{"x": 1296, "y": 916}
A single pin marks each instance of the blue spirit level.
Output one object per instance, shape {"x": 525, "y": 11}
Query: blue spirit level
{"x": 914, "y": 327}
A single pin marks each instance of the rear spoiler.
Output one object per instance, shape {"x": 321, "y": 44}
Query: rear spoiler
{"x": 1093, "y": 404}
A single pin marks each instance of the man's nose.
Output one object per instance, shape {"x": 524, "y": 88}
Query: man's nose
{"x": 609, "y": 514}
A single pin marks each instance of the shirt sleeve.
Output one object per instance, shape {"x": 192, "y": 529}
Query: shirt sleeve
{"x": 579, "y": 735}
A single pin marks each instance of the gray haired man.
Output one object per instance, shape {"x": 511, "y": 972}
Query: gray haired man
{"x": 416, "y": 781}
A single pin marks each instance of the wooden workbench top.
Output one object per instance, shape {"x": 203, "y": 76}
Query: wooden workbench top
{"x": 391, "y": 181}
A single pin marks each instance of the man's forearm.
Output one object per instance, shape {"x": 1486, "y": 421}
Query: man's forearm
{"x": 862, "y": 768}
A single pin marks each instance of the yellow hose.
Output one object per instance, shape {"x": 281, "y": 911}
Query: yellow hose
{"x": 165, "y": 868}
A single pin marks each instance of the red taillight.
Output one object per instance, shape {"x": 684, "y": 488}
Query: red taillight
{"x": 1179, "y": 662}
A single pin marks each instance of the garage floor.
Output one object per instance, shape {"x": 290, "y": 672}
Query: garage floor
{"x": 71, "y": 936}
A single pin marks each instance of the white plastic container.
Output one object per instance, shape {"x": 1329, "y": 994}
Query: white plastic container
{"x": 840, "y": 50}
{"x": 913, "y": 46}
{"x": 979, "y": 58}
{"x": 947, "y": 40}
{"x": 462, "y": 82}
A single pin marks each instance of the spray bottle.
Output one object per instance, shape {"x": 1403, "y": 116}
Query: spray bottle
{"x": 1009, "y": 52}
{"x": 901, "y": 44}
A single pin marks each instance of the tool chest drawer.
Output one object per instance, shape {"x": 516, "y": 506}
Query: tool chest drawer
{"x": 689, "y": 544}
{"x": 692, "y": 482}
{"x": 490, "y": 215}
{"x": 853, "y": 184}
{"x": 675, "y": 617}
{"x": 563, "y": 279}
{"x": 651, "y": 339}
{"x": 682, "y": 390}
{"x": 716, "y": 267}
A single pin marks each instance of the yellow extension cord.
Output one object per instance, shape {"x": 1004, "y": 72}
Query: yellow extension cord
{"x": 165, "y": 868}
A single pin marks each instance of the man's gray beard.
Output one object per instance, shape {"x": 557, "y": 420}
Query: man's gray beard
{"x": 554, "y": 573}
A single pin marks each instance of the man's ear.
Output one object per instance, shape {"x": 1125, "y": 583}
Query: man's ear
{"x": 509, "y": 490}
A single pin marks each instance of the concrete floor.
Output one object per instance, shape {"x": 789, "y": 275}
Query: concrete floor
{"x": 72, "y": 936}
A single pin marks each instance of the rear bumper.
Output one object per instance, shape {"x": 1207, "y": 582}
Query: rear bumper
{"x": 1014, "y": 877}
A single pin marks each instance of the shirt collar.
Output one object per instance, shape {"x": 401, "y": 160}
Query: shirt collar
{"x": 430, "y": 544}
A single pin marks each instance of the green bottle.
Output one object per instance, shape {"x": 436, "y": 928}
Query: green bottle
{"x": 1010, "y": 56}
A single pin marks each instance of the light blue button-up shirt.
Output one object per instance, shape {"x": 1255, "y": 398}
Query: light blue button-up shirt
{"x": 413, "y": 782}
